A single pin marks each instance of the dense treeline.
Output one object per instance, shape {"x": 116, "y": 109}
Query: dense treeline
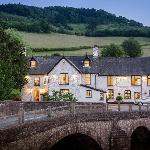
{"x": 60, "y": 19}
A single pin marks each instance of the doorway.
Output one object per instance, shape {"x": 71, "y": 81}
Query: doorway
{"x": 36, "y": 95}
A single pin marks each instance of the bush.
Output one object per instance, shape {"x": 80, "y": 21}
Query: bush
{"x": 119, "y": 98}
{"x": 59, "y": 96}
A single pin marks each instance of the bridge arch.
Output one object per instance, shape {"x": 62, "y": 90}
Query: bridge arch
{"x": 140, "y": 138}
{"x": 69, "y": 132}
{"x": 76, "y": 141}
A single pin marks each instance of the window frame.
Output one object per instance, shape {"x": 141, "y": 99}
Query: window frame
{"x": 89, "y": 78}
{"x": 148, "y": 80}
{"x": 35, "y": 84}
{"x": 87, "y": 60}
{"x": 112, "y": 92}
{"x": 65, "y": 83}
{"x": 61, "y": 90}
{"x": 31, "y": 63}
{"x": 133, "y": 84}
{"x": 90, "y": 93}
{"x": 137, "y": 93}
{"x": 128, "y": 97}
{"x": 111, "y": 80}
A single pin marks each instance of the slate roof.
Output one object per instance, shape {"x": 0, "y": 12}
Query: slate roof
{"x": 99, "y": 65}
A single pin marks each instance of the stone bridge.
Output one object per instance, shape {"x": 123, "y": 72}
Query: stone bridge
{"x": 86, "y": 131}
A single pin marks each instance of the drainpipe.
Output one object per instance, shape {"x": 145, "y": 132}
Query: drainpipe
{"x": 95, "y": 81}
{"x": 141, "y": 88}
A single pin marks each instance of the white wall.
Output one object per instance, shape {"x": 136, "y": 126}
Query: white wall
{"x": 120, "y": 84}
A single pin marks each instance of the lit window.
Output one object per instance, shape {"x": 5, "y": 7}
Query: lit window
{"x": 33, "y": 63}
{"x": 127, "y": 94}
{"x": 148, "y": 80}
{"x": 137, "y": 95}
{"x": 110, "y": 80}
{"x": 87, "y": 79}
{"x": 64, "y": 91}
{"x": 64, "y": 79}
{"x": 136, "y": 80}
{"x": 110, "y": 94}
{"x": 86, "y": 63}
{"x": 88, "y": 93}
{"x": 36, "y": 81}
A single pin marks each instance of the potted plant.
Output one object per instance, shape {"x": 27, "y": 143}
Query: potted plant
{"x": 119, "y": 98}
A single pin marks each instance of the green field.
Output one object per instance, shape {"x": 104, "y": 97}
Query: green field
{"x": 55, "y": 40}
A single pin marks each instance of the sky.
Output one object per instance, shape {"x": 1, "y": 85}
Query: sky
{"x": 138, "y": 10}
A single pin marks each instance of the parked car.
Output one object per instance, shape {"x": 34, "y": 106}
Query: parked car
{"x": 144, "y": 101}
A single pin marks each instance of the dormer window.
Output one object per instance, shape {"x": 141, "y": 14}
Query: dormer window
{"x": 87, "y": 62}
{"x": 33, "y": 63}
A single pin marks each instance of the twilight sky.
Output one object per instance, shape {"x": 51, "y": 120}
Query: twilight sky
{"x": 138, "y": 10}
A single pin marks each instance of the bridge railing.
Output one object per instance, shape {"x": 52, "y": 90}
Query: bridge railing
{"x": 53, "y": 110}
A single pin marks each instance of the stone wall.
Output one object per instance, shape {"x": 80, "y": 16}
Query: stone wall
{"x": 105, "y": 128}
{"x": 12, "y": 107}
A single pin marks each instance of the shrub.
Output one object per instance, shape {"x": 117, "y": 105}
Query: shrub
{"x": 119, "y": 98}
{"x": 59, "y": 96}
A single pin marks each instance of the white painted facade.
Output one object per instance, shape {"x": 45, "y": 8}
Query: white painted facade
{"x": 50, "y": 82}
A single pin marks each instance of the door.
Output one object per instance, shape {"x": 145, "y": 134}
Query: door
{"x": 36, "y": 95}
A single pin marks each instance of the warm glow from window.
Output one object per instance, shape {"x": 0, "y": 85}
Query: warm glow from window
{"x": 33, "y": 63}
{"x": 64, "y": 91}
{"x": 136, "y": 80}
{"x": 87, "y": 63}
{"x": 87, "y": 79}
{"x": 137, "y": 95}
{"x": 110, "y": 94}
{"x": 148, "y": 80}
{"x": 88, "y": 93}
{"x": 127, "y": 94}
{"x": 36, "y": 81}
{"x": 110, "y": 80}
{"x": 64, "y": 78}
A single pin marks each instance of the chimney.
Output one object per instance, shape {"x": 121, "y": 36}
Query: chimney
{"x": 95, "y": 51}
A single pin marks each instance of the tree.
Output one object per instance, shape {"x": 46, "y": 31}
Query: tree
{"x": 13, "y": 63}
{"x": 132, "y": 48}
{"x": 112, "y": 50}
{"x": 92, "y": 25}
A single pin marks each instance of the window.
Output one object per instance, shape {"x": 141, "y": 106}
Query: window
{"x": 110, "y": 94}
{"x": 87, "y": 62}
{"x": 136, "y": 80}
{"x": 64, "y": 91}
{"x": 87, "y": 79}
{"x": 88, "y": 93}
{"x": 36, "y": 81}
{"x": 137, "y": 95}
{"x": 110, "y": 80}
{"x": 148, "y": 80}
{"x": 64, "y": 79}
{"x": 33, "y": 63}
{"x": 127, "y": 94}
{"x": 101, "y": 96}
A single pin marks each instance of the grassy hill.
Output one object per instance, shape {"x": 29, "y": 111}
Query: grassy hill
{"x": 56, "y": 41}
{"x": 68, "y": 20}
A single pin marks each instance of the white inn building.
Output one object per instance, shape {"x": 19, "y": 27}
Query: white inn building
{"x": 89, "y": 78}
